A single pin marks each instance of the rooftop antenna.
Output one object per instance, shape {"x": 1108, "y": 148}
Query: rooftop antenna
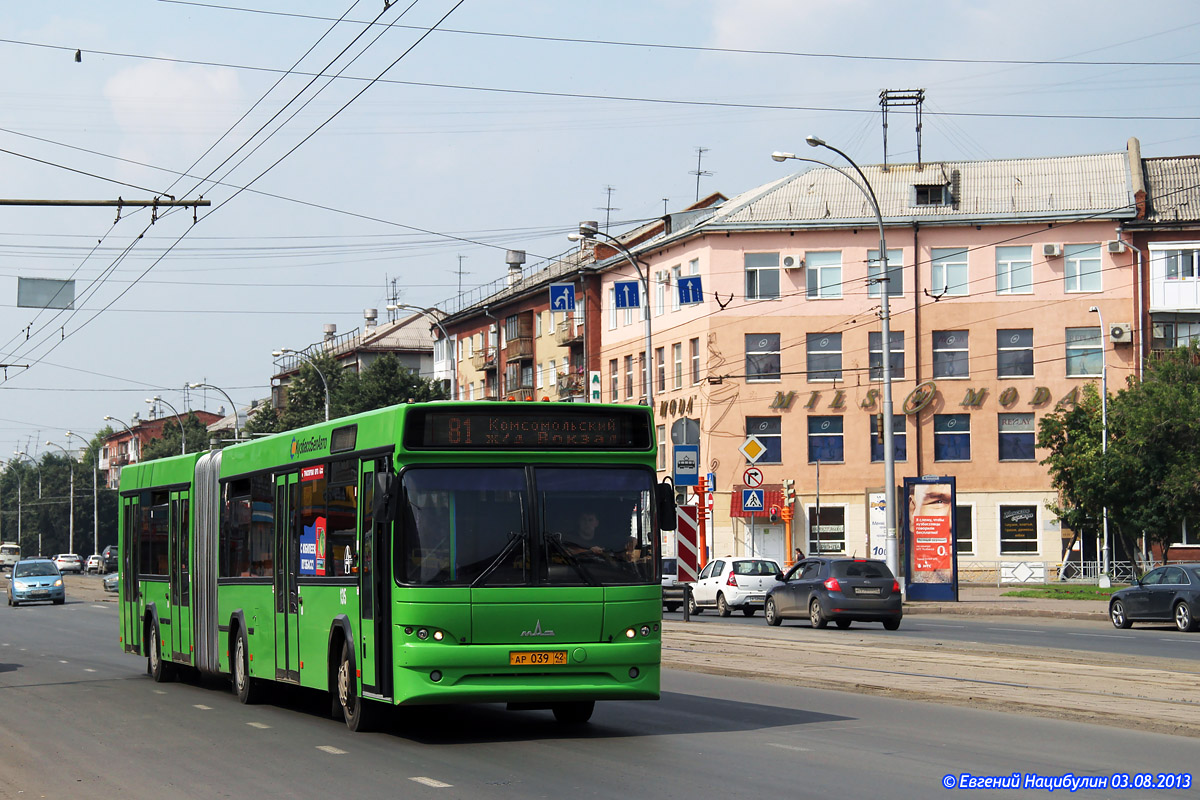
{"x": 460, "y": 272}
{"x": 901, "y": 98}
{"x": 700, "y": 151}
{"x": 608, "y": 208}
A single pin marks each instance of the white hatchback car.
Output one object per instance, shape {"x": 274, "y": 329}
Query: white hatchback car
{"x": 729, "y": 583}
{"x": 68, "y": 562}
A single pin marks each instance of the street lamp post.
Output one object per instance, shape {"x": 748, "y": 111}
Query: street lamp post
{"x": 289, "y": 351}
{"x": 431, "y": 313}
{"x": 236, "y": 430}
{"x": 182, "y": 433}
{"x": 71, "y": 502}
{"x": 889, "y": 454}
{"x": 1105, "y": 581}
{"x": 39, "y": 469}
{"x": 589, "y": 230}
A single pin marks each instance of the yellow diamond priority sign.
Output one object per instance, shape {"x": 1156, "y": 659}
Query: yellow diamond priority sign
{"x": 752, "y": 449}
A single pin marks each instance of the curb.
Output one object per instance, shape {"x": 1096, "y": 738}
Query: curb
{"x": 992, "y": 610}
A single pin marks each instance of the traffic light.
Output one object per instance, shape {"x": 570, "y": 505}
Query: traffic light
{"x": 774, "y": 515}
{"x": 789, "y": 491}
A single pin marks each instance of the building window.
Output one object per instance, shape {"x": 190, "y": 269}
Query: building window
{"x": 824, "y": 356}
{"x": 1014, "y": 270}
{"x": 1181, "y": 264}
{"x": 936, "y": 194}
{"x": 540, "y": 374}
{"x": 951, "y": 437}
{"x": 1018, "y": 530}
{"x": 614, "y": 381}
{"x": 1085, "y": 352}
{"x": 762, "y": 357}
{"x": 677, "y": 364}
{"x": 660, "y": 368}
{"x": 1187, "y": 535}
{"x": 899, "y": 437}
{"x": 643, "y": 374}
{"x": 895, "y": 353}
{"x": 768, "y": 431}
{"x": 1081, "y": 272}
{"x": 1016, "y": 437}
{"x": 964, "y": 529}
{"x": 826, "y": 530}
{"x": 1014, "y": 353}
{"x": 628, "y": 377}
{"x": 694, "y": 344}
{"x": 676, "y": 272}
{"x": 823, "y": 274}
{"x": 951, "y": 354}
{"x": 662, "y": 446}
{"x": 612, "y": 308}
{"x": 762, "y": 276}
{"x": 825, "y": 439}
{"x": 948, "y": 271}
{"x": 660, "y": 293}
{"x": 895, "y": 273}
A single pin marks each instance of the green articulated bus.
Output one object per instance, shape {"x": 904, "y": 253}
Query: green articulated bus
{"x": 424, "y": 553}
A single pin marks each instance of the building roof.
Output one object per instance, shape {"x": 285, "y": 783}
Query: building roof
{"x": 1005, "y": 190}
{"x": 1172, "y": 189}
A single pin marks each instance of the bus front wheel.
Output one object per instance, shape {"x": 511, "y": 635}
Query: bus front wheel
{"x": 160, "y": 670}
{"x": 248, "y": 689}
{"x": 574, "y": 713}
{"x": 360, "y": 713}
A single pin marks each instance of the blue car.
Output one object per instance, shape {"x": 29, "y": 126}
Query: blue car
{"x": 36, "y": 579}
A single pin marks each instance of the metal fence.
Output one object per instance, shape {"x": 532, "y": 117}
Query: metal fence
{"x": 1047, "y": 572}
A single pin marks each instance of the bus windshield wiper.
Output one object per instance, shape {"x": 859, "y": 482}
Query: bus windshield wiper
{"x": 514, "y": 537}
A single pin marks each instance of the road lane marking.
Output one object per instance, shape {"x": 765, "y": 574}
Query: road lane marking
{"x": 328, "y": 748}
{"x": 259, "y": 725}
{"x": 159, "y": 691}
{"x": 789, "y": 747}
{"x": 62, "y": 661}
{"x": 202, "y": 707}
{"x": 1014, "y": 630}
{"x": 1100, "y": 635}
{"x": 431, "y": 782}
{"x": 88, "y": 669}
{"x": 937, "y": 625}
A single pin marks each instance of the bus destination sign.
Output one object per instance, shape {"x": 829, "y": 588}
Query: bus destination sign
{"x": 507, "y": 427}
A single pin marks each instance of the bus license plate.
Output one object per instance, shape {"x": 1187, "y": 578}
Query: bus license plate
{"x": 526, "y": 658}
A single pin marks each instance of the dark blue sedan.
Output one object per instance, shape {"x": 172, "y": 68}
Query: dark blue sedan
{"x": 838, "y": 590}
{"x": 1166, "y": 594}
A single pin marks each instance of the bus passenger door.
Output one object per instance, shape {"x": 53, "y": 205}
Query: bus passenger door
{"x": 180, "y": 569}
{"x": 374, "y": 586}
{"x": 131, "y": 617}
{"x": 287, "y": 561}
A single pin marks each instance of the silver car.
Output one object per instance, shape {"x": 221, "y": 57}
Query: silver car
{"x": 729, "y": 583}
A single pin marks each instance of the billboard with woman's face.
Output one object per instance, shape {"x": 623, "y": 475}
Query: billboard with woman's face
{"x": 929, "y": 537}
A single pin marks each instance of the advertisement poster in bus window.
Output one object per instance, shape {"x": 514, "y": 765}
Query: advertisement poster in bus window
{"x": 312, "y": 548}
{"x": 930, "y": 538}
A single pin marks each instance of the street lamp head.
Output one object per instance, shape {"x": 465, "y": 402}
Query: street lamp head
{"x": 195, "y": 385}
{"x": 589, "y": 228}
{"x": 574, "y": 237}
{"x": 814, "y": 141}
{"x": 778, "y": 156}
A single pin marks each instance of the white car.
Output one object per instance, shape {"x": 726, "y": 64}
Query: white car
{"x": 68, "y": 562}
{"x": 728, "y": 583}
{"x": 94, "y": 564}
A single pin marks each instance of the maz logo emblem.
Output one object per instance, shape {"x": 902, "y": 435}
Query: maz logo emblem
{"x": 537, "y": 631}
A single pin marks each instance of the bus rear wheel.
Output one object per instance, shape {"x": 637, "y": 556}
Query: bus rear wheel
{"x": 360, "y": 713}
{"x": 576, "y": 713}
{"x": 249, "y": 690}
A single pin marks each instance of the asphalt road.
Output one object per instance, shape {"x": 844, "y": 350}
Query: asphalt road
{"x": 81, "y": 718}
{"x": 1162, "y": 641}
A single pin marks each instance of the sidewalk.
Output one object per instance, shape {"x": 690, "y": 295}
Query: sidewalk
{"x": 982, "y": 599}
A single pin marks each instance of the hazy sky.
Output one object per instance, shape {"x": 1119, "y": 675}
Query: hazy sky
{"x": 501, "y": 129}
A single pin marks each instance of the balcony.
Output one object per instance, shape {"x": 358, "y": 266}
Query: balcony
{"x": 568, "y": 333}
{"x": 484, "y": 359}
{"x": 571, "y": 386}
{"x": 519, "y": 349}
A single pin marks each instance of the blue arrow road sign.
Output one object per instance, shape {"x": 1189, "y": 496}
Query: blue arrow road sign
{"x": 626, "y": 294}
{"x": 690, "y": 290}
{"x": 752, "y": 499}
{"x": 562, "y": 297}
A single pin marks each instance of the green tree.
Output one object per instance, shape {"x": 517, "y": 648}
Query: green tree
{"x": 1154, "y": 449}
{"x": 1072, "y": 435}
{"x": 168, "y": 443}
{"x": 385, "y": 382}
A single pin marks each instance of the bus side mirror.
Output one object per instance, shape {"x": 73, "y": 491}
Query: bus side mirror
{"x": 666, "y": 506}
{"x": 387, "y": 497}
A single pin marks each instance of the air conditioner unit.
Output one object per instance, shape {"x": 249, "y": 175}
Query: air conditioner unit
{"x": 794, "y": 261}
{"x": 1052, "y": 250}
{"x": 1117, "y": 246}
{"x": 1121, "y": 332}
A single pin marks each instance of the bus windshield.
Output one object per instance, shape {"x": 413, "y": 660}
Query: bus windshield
{"x": 566, "y": 526}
